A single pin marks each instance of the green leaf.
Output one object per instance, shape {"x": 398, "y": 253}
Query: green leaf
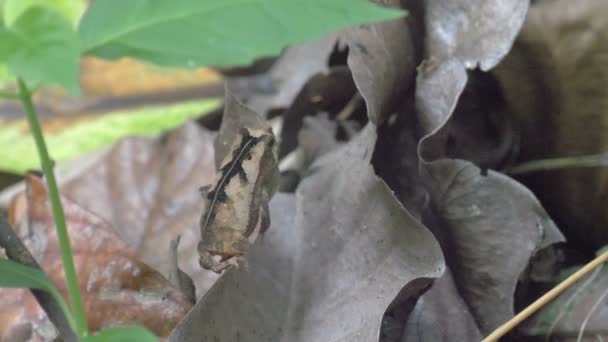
{"x": 16, "y": 275}
{"x": 71, "y": 9}
{"x": 18, "y": 151}
{"x": 126, "y": 334}
{"x": 42, "y": 47}
{"x": 194, "y": 33}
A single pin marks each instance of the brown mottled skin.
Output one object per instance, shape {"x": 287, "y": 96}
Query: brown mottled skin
{"x": 238, "y": 200}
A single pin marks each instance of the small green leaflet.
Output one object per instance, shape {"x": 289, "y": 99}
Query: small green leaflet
{"x": 194, "y": 33}
{"x": 42, "y": 47}
{"x": 126, "y": 334}
{"x": 16, "y": 275}
{"x": 71, "y": 9}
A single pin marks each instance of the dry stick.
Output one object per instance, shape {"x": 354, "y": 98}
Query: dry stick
{"x": 594, "y": 160}
{"x": 546, "y": 298}
{"x": 16, "y": 251}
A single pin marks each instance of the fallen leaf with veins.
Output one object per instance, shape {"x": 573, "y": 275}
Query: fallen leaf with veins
{"x": 117, "y": 288}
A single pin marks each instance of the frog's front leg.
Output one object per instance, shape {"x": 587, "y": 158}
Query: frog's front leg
{"x": 208, "y": 262}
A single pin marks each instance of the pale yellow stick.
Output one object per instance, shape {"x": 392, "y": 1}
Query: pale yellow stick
{"x": 547, "y": 297}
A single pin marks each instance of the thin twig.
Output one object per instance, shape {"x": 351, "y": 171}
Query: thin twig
{"x": 16, "y": 251}
{"x": 62, "y": 233}
{"x": 546, "y": 298}
{"x": 350, "y": 108}
{"x": 594, "y": 160}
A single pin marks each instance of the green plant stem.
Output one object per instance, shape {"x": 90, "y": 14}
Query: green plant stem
{"x": 62, "y": 232}
{"x": 9, "y": 95}
{"x": 16, "y": 250}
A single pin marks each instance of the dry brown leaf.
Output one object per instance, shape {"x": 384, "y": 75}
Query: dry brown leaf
{"x": 117, "y": 288}
{"x": 148, "y": 188}
{"x": 22, "y": 319}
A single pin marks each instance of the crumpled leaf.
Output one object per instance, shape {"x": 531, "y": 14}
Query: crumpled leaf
{"x": 117, "y": 288}
{"x": 441, "y": 315}
{"x": 487, "y": 216}
{"x": 382, "y": 59}
{"x": 478, "y": 32}
{"x": 328, "y": 271}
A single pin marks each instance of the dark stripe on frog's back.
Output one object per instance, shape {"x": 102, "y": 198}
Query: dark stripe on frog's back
{"x": 234, "y": 167}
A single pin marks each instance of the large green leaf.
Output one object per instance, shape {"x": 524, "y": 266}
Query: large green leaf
{"x": 126, "y": 334}
{"x": 72, "y": 9}
{"x": 16, "y": 275}
{"x": 193, "y": 33}
{"x": 42, "y": 47}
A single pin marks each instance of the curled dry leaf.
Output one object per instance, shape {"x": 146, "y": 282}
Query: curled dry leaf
{"x": 478, "y": 32}
{"x": 486, "y": 216}
{"x": 334, "y": 259}
{"x": 117, "y": 288}
{"x": 382, "y": 59}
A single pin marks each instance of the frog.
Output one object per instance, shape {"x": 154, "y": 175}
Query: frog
{"x": 237, "y": 211}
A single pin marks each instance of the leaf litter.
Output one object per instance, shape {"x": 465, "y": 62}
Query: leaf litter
{"x": 402, "y": 228}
